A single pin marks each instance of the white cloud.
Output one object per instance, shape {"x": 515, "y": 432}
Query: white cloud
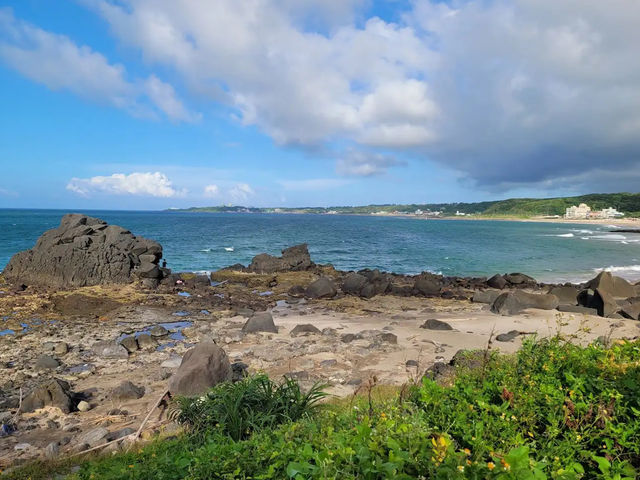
{"x": 365, "y": 164}
{"x": 313, "y": 184}
{"x": 211, "y": 191}
{"x": 504, "y": 91}
{"x": 138, "y": 183}
{"x": 57, "y": 62}
{"x": 241, "y": 192}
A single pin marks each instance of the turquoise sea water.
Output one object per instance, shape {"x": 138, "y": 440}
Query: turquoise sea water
{"x": 204, "y": 242}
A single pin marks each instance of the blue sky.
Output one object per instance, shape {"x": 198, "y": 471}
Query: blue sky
{"x": 140, "y": 104}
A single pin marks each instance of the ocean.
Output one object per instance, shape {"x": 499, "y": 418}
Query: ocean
{"x": 550, "y": 252}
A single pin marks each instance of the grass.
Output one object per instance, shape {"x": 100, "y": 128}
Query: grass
{"x": 553, "y": 410}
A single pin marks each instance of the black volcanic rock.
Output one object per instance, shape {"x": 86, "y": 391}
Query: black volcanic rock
{"x": 293, "y": 259}
{"x": 86, "y": 251}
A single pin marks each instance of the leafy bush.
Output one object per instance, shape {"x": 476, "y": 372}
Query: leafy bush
{"x": 239, "y": 409}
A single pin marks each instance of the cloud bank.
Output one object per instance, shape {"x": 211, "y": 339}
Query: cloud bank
{"x": 138, "y": 183}
{"x": 505, "y": 92}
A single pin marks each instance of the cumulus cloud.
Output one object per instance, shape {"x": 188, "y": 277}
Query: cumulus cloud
{"x": 211, "y": 191}
{"x": 241, "y": 192}
{"x": 57, "y": 62}
{"x": 504, "y": 91}
{"x": 138, "y": 183}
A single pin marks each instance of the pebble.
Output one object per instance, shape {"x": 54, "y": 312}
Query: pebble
{"x": 84, "y": 406}
{"x": 61, "y": 348}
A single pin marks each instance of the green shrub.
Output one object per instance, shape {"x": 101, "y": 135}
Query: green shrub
{"x": 254, "y": 403}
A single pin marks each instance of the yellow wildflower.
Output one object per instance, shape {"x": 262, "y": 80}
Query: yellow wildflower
{"x": 491, "y": 465}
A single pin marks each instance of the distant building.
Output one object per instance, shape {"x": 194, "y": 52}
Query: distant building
{"x": 581, "y": 211}
{"x": 609, "y": 213}
{"x": 418, "y": 212}
{"x": 460, "y": 214}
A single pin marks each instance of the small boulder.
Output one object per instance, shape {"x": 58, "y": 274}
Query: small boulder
{"x": 52, "y": 451}
{"x": 146, "y": 342}
{"x": 54, "y": 393}
{"x": 433, "y": 324}
{"x": 615, "y": 286}
{"x": 427, "y": 286}
{"x": 324, "y": 287}
{"x": 260, "y": 322}
{"x": 158, "y": 331}
{"x": 604, "y": 302}
{"x": 129, "y": 343}
{"x": 508, "y": 337}
{"x": 304, "y": 329}
{"x": 387, "y": 337}
{"x": 202, "y": 367}
{"x": 632, "y": 311}
{"x": 45, "y": 362}
{"x": 83, "y": 406}
{"x": 127, "y": 391}
{"x": 107, "y": 349}
{"x": 61, "y": 348}
{"x": 519, "y": 279}
{"x": 93, "y": 437}
{"x": 353, "y": 283}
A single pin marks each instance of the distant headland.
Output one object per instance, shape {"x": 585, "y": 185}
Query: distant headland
{"x": 624, "y": 204}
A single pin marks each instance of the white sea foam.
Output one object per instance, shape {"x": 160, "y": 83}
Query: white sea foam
{"x": 229, "y": 249}
{"x": 620, "y": 269}
{"x": 206, "y": 250}
{"x": 612, "y": 237}
{"x": 565, "y": 235}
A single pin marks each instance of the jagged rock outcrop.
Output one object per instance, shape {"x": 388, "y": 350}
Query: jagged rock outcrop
{"x": 293, "y": 259}
{"x": 85, "y": 251}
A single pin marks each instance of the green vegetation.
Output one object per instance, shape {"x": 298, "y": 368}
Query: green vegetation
{"x": 554, "y": 410}
{"x": 628, "y": 203}
{"x": 253, "y": 404}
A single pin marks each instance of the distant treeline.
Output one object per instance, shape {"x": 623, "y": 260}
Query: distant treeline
{"x": 628, "y": 203}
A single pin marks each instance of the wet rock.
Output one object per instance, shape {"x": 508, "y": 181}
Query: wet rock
{"x": 304, "y": 329}
{"x": 158, "y": 331}
{"x": 45, "y": 362}
{"x": 129, "y": 343}
{"x": 433, "y": 324}
{"x": 511, "y": 303}
{"x": 260, "y": 322}
{"x": 497, "y": 281}
{"x": 507, "y": 337}
{"x": 83, "y": 251}
{"x": 485, "y": 296}
{"x": 293, "y": 259}
{"x": 324, "y": 287}
{"x": 127, "y": 391}
{"x": 83, "y": 406}
{"x": 202, "y": 367}
{"x": 54, "y": 393}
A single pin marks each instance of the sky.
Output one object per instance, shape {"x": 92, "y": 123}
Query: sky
{"x": 152, "y": 104}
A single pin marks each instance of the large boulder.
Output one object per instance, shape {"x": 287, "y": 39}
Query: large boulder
{"x": 324, "y": 287}
{"x": 519, "y": 279}
{"x": 511, "y": 303}
{"x": 53, "y": 393}
{"x": 615, "y": 286}
{"x": 202, "y": 367}
{"x": 427, "y": 285}
{"x": 293, "y": 259}
{"x": 85, "y": 251}
{"x": 604, "y": 302}
{"x": 631, "y": 310}
{"x": 353, "y": 283}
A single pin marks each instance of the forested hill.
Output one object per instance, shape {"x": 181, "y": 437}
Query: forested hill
{"x": 629, "y": 203}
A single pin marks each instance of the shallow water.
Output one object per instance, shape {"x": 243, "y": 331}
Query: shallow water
{"x": 203, "y": 242}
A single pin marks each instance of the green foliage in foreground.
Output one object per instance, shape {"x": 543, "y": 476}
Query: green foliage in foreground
{"x": 554, "y": 410}
{"x": 253, "y": 404}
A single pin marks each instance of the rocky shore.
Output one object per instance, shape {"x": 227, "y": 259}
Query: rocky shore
{"x": 94, "y": 331}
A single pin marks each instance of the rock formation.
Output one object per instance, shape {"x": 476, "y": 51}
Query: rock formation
{"x": 293, "y": 259}
{"x": 86, "y": 251}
